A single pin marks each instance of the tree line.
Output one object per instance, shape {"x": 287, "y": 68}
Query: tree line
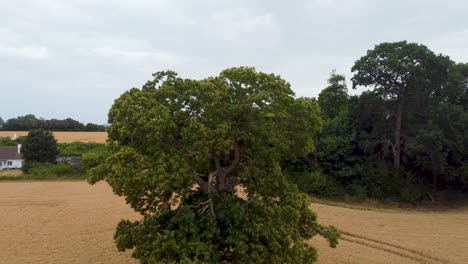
{"x": 30, "y": 122}
{"x": 406, "y": 139}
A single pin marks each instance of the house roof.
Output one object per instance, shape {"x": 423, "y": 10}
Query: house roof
{"x": 9, "y": 153}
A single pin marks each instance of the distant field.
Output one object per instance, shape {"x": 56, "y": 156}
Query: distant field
{"x": 73, "y": 222}
{"x": 66, "y": 137}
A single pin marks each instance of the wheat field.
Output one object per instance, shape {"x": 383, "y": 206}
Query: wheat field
{"x": 73, "y": 222}
{"x": 66, "y": 137}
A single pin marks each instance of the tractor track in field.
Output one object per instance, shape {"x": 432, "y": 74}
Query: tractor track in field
{"x": 394, "y": 249}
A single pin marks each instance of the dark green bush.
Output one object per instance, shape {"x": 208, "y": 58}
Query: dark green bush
{"x": 315, "y": 183}
{"x": 452, "y": 197}
{"x": 357, "y": 191}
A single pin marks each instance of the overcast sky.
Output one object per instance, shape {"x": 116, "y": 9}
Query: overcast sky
{"x": 72, "y": 58}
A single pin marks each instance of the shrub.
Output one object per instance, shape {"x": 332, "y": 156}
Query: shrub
{"x": 77, "y": 149}
{"x": 52, "y": 170}
{"x": 7, "y": 141}
{"x": 92, "y": 159}
{"x": 358, "y": 191}
{"x": 452, "y": 197}
{"x": 40, "y": 146}
{"x": 315, "y": 183}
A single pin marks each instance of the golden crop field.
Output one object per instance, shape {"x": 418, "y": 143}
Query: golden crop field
{"x": 73, "y": 222}
{"x": 66, "y": 137}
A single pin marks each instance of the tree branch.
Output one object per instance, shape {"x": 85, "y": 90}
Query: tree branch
{"x": 210, "y": 180}
{"x": 201, "y": 182}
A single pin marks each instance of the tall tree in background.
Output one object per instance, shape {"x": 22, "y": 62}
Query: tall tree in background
{"x": 2, "y": 123}
{"x": 40, "y": 146}
{"x": 334, "y": 98}
{"x": 336, "y": 140}
{"x": 400, "y": 72}
{"x": 456, "y": 92}
{"x": 439, "y": 138}
{"x": 226, "y": 135}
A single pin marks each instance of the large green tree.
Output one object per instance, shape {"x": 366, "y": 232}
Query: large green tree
{"x": 40, "y": 146}
{"x": 401, "y": 72}
{"x": 199, "y": 160}
{"x": 438, "y": 138}
{"x": 337, "y": 138}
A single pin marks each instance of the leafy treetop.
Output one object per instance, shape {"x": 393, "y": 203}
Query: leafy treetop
{"x": 225, "y": 135}
{"x": 401, "y": 72}
{"x": 334, "y": 98}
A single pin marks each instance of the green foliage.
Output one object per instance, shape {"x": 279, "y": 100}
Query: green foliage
{"x": 398, "y": 69}
{"x": 338, "y": 140}
{"x": 94, "y": 127}
{"x": 223, "y": 134}
{"x": 337, "y": 147}
{"x": 416, "y": 115}
{"x": 241, "y": 232}
{"x": 316, "y": 183}
{"x": 44, "y": 170}
{"x": 40, "y": 146}
{"x": 22, "y": 123}
{"x": 7, "y": 141}
{"x": 27, "y": 165}
{"x": 94, "y": 158}
{"x": 76, "y": 149}
{"x": 29, "y": 122}
{"x": 403, "y": 74}
{"x": 334, "y": 99}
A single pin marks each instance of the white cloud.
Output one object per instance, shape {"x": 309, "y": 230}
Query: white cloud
{"x": 28, "y": 52}
{"x": 8, "y": 35}
{"x": 454, "y": 44}
{"x": 136, "y": 56}
{"x": 241, "y": 23}
{"x": 332, "y": 10}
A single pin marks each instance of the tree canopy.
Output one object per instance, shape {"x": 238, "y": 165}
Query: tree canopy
{"x": 200, "y": 161}
{"x": 40, "y": 146}
{"x": 400, "y": 72}
{"x": 404, "y": 140}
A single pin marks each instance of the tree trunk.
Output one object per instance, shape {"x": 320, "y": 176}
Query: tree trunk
{"x": 221, "y": 184}
{"x": 399, "y": 114}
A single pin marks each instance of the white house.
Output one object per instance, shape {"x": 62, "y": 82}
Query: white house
{"x": 10, "y": 157}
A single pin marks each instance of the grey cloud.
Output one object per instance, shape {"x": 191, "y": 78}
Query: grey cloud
{"x": 72, "y": 58}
